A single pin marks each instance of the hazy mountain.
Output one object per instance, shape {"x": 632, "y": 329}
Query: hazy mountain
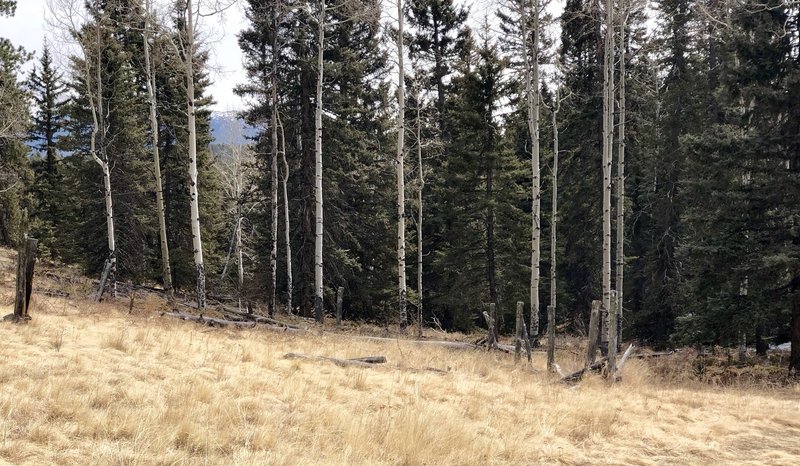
{"x": 228, "y": 129}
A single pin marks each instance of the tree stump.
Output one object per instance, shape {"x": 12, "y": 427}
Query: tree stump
{"x": 339, "y": 297}
{"x": 594, "y": 327}
{"x": 25, "y": 262}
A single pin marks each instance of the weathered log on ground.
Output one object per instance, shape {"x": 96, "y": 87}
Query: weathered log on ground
{"x": 578, "y": 375}
{"x": 210, "y": 321}
{"x": 657, "y": 355}
{"x": 54, "y": 293}
{"x": 367, "y": 361}
{"x": 445, "y": 344}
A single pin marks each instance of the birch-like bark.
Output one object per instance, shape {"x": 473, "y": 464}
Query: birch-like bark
{"x": 318, "y": 220}
{"x": 620, "y": 262}
{"x": 98, "y": 127}
{"x": 197, "y": 243}
{"x": 273, "y": 256}
{"x": 608, "y": 142}
{"x": 531, "y": 61}
{"x": 551, "y": 310}
{"x": 286, "y": 231}
{"x": 401, "y": 197}
{"x": 421, "y": 177}
{"x": 162, "y": 224}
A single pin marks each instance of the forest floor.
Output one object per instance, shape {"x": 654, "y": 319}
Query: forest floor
{"x": 86, "y": 383}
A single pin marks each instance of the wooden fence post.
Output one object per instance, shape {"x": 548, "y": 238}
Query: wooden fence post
{"x": 339, "y": 297}
{"x": 594, "y": 326}
{"x": 25, "y": 262}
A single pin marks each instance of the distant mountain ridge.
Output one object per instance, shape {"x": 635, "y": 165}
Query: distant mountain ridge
{"x": 227, "y": 129}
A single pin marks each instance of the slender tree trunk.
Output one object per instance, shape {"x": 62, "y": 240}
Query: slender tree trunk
{"x": 318, "y": 220}
{"x": 421, "y": 176}
{"x": 401, "y": 194}
{"x": 273, "y": 256}
{"x": 794, "y": 358}
{"x": 531, "y": 60}
{"x": 98, "y": 128}
{"x": 491, "y": 270}
{"x": 551, "y": 310}
{"x": 620, "y": 259}
{"x": 608, "y": 141}
{"x": 287, "y": 230}
{"x": 162, "y": 224}
{"x": 197, "y": 243}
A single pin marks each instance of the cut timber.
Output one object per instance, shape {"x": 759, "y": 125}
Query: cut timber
{"x": 367, "y": 361}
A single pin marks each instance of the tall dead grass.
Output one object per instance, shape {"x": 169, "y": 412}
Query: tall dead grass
{"x": 90, "y": 384}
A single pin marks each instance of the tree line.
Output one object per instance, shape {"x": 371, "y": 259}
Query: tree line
{"x": 644, "y": 156}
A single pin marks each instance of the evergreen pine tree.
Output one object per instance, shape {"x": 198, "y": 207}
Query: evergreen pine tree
{"x": 48, "y": 94}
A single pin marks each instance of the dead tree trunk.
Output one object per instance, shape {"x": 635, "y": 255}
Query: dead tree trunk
{"x": 794, "y": 358}
{"x": 594, "y": 326}
{"x": 339, "y": 297}
{"x": 26, "y": 259}
{"x": 612, "y": 336}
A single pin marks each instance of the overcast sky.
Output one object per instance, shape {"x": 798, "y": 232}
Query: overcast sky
{"x": 28, "y": 28}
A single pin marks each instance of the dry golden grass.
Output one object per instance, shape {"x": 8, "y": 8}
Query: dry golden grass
{"x": 91, "y": 384}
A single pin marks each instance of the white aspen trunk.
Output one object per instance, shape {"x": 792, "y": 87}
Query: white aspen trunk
{"x": 98, "y": 121}
{"x": 287, "y": 231}
{"x": 551, "y": 310}
{"x": 318, "y": 169}
{"x": 419, "y": 217}
{"x": 273, "y": 257}
{"x": 239, "y": 256}
{"x": 531, "y": 60}
{"x": 401, "y": 198}
{"x": 162, "y": 224}
{"x": 608, "y": 142}
{"x": 621, "y": 177}
{"x": 197, "y": 243}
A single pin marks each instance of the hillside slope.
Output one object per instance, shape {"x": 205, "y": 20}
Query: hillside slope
{"x": 87, "y": 383}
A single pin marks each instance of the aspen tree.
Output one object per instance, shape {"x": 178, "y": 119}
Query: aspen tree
{"x": 399, "y": 161}
{"x": 162, "y": 224}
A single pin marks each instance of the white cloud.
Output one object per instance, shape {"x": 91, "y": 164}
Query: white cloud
{"x": 28, "y": 28}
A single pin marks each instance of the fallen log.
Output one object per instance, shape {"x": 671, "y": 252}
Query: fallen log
{"x": 578, "y": 375}
{"x": 367, "y": 361}
{"x": 445, "y": 344}
{"x": 653, "y": 355}
{"x": 210, "y": 321}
